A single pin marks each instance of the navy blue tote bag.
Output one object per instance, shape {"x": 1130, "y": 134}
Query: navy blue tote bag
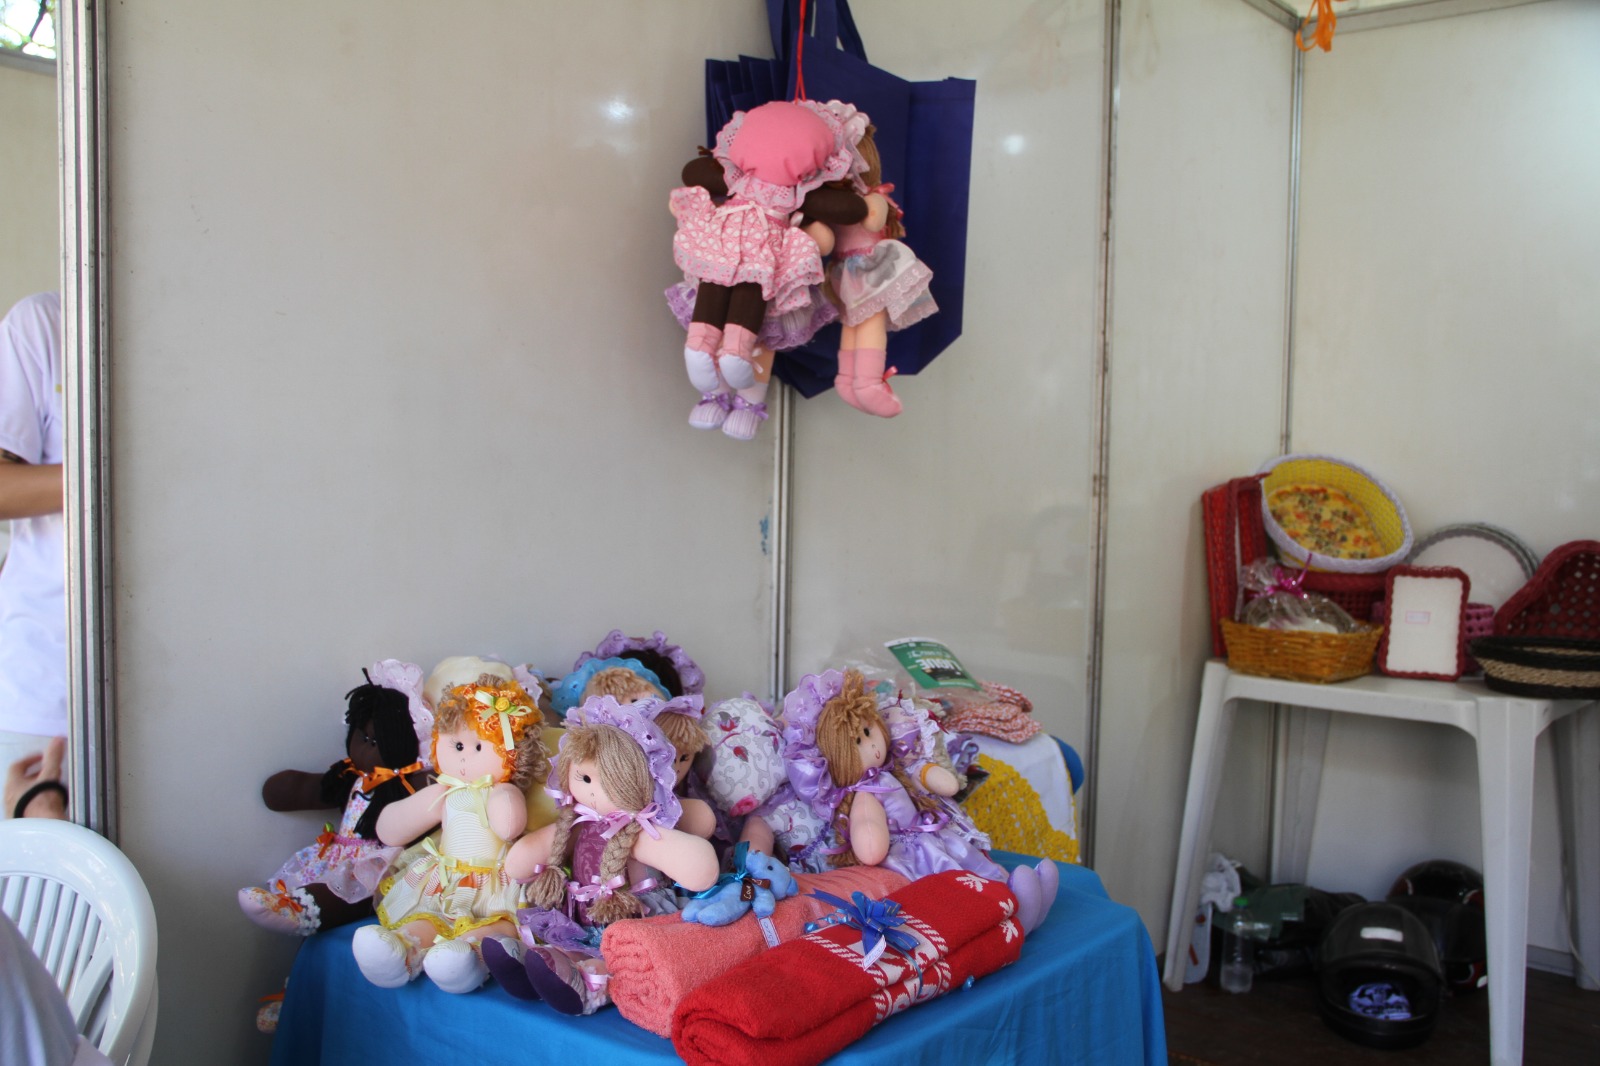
{"x": 924, "y": 138}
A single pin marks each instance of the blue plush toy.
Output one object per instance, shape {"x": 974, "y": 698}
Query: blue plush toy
{"x": 757, "y": 883}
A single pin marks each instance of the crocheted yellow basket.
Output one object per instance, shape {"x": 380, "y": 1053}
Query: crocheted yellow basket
{"x": 1380, "y": 506}
{"x": 1008, "y": 809}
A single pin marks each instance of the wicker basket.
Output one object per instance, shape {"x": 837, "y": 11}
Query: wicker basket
{"x": 1371, "y": 495}
{"x": 1299, "y": 656}
{"x": 1551, "y": 667}
{"x": 1561, "y": 600}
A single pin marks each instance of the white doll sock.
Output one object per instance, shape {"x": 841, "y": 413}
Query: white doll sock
{"x": 699, "y": 355}
{"x": 735, "y": 357}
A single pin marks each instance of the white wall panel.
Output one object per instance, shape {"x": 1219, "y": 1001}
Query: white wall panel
{"x": 1201, "y": 245}
{"x": 1449, "y": 339}
{"x": 392, "y": 376}
{"x": 967, "y": 518}
{"x": 30, "y": 186}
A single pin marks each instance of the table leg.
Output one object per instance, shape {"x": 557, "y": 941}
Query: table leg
{"x": 1212, "y": 728}
{"x": 1577, "y": 749}
{"x": 1305, "y": 742}
{"x": 1506, "y": 733}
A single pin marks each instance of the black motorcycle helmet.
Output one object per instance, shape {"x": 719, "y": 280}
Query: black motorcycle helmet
{"x": 1448, "y": 897}
{"x": 1371, "y": 953}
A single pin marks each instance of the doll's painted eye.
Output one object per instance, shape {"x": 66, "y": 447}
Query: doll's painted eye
{"x": 585, "y": 779}
{"x": 478, "y": 746}
{"x": 460, "y": 746}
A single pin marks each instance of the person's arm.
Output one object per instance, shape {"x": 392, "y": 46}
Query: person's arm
{"x": 27, "y": 491}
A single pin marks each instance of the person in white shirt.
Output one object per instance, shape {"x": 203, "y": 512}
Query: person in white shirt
{"x": 33, "y": 606}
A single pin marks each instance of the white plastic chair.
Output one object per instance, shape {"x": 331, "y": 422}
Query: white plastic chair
{"x": 85, "y": 911}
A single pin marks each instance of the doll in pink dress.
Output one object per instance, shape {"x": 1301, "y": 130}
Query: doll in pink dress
{"x": 598, "y": 863}
{"x": 747, "y": 256}
{"x": 880, "y": 286}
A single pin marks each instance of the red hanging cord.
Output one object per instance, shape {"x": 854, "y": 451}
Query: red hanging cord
{"x": 799, "y": 56}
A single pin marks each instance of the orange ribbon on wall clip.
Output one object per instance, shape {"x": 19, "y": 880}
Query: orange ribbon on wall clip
{"x": 1322, "y": 15}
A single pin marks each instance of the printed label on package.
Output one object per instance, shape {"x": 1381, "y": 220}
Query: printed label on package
{"x": 931, "y": 664}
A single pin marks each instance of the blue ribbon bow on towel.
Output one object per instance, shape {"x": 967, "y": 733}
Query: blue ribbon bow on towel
{"x": 878, "y": 919}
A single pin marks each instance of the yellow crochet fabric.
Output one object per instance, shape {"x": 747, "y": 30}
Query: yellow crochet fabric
{"x": 1007, "y": 808}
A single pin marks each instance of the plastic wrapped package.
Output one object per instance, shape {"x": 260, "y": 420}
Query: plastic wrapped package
{"x": 1277, "y": 601}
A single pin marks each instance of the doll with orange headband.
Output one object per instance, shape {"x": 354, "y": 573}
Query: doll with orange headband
{"x": 445, "y": 896}
{"x": 331, "y": 882}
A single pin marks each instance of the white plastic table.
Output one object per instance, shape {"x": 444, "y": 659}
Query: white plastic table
{"x": 1504, "y": 727}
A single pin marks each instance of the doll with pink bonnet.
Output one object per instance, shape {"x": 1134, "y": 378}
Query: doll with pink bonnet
{"x": 748, "y": 257}
{"x": 863, "y": 765}
{"x": 613, "y": 853}
{"x": 449, "y": 891}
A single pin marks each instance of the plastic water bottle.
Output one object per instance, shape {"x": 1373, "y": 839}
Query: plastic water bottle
{"x": 1239, "y": 948}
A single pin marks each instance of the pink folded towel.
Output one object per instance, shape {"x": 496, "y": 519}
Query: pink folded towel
{"x": 656, "y": 962}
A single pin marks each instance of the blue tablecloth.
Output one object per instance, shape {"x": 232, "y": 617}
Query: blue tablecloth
{"x": 1086, "y": 990}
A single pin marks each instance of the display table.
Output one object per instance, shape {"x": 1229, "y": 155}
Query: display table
{"x": 1504, "y": 728}
{"x": 1085, "y": 991}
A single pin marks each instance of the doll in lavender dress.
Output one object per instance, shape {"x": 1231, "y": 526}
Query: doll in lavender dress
{"x": 615, "y": 828}
{"x": 885, "y": 800}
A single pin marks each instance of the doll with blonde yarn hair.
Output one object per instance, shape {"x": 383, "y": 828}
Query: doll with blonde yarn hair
{"x": 596, "y": 864}
{"x": 445, "y": 896}
{"x": 865, "y": 767}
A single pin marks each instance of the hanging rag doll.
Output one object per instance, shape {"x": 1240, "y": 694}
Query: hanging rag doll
{"x": 883, "y": 796}
{"x": 748, "y": 257}
{"x": 445, "y": 896}
{"x": 595, "y": 865}
{"x": 880, "y": 285}
{"x": 331, "y": 882}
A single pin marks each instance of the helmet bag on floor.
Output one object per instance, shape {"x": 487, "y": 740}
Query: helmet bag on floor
{"x": 1378, "y": 977}
{"x": 1448, "y": 897}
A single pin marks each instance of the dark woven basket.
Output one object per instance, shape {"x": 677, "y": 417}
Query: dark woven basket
{"x": 1561, "y": 600}
{"x": 1548, "y": 667}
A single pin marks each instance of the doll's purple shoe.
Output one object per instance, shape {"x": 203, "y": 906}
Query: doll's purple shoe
{"x": 546, "y": 972}
{"x": 1049, "y": 882}
{"x": 1024, "y": 882}
{"x": 712, "y": 410}
{"x": 504, "y": 956}
{"x": 744, "y": 419}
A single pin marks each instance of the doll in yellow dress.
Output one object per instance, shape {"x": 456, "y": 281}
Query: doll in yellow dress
{"x": 449, "y": 890}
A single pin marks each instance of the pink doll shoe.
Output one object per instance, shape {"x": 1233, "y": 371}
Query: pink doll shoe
{"x": 504, "y": 958}
{"x": 454, "y": 966}
{"x": 745, "y": 418}
{"x": 844, "y": 382}
{"x": 712, "y": 410}
{"x": 386, "y": 958}
{"x": 872, "y": 393}
{"x": 289, "y": 911}
{"x": 555, "y": 979}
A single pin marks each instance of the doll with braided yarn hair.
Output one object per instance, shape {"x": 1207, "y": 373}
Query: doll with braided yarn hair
{"x": 596, "y": 864}
{"x": 864, "y": 764}
{"x": 446, "y": 895}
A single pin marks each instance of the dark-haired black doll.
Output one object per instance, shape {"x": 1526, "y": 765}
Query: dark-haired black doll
{"x": 331, "y": 882}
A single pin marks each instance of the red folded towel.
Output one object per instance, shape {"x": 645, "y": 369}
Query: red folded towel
{"x": 806, "y": 999}
{"x": 655, "y": 962}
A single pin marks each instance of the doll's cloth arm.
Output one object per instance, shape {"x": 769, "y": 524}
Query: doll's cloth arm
{"x": 837, "y": 207}
{"x": 877, "y": 212}
{"x": 758, "y": 834}
{"x": 405, "y": 820}
{"x": 688, "y": 860}
{"x": 706, "y": 172}
{"x": 529, "y": 854}
{"x": 295, "y": 790}
{"x": 507, "y": 811}
{"x": 869, "y": 829}
{"x": 698, "y": 819}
